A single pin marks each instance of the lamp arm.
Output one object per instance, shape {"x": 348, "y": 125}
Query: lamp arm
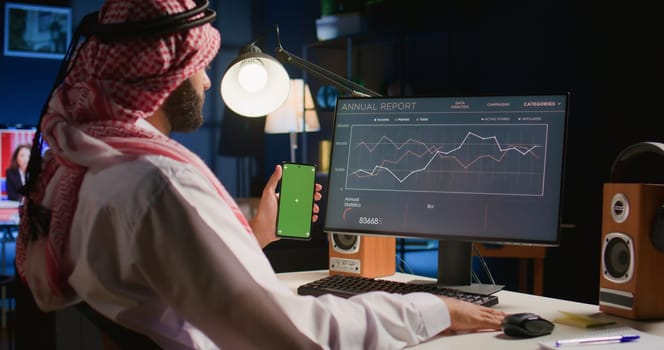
{"x": 347, "y": 85}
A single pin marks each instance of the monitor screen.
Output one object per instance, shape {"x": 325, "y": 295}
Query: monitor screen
{"x": 456, "y": 169}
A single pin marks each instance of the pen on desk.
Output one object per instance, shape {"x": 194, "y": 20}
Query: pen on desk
{"x": 598, "y": 340}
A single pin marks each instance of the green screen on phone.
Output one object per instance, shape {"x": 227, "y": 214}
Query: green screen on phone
{"x": 296, "y": 199}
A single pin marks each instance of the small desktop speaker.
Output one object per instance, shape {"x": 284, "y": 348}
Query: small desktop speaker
{"x": 360, "y": 255}
{"x": 632, "y": 250}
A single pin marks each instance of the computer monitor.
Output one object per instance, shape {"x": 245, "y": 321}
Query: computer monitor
{"x": 459, "y": 169}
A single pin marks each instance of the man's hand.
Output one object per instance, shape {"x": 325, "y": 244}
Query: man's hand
{"x": 264, "y": 222}
{"x": 466, "y": 316}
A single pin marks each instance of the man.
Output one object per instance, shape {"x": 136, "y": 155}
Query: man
{"x": 131, "y": 222}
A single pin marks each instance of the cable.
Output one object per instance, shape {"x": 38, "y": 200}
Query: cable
{"x": 404, "y": 264}
{"x": 484, "y": 265}
{"x": 475, "y": 277}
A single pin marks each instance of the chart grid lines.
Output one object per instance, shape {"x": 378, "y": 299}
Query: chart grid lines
{"x": 449, "y": 158}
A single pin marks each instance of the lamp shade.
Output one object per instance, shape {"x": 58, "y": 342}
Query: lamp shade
{"x": 299, "y": 105}
{"x": 254, "y": 84}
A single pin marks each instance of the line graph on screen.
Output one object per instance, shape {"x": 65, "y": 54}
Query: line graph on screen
{"x": 458, "y": 158}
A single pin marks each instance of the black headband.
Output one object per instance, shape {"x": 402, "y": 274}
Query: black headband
{"x": 158, "y": 26}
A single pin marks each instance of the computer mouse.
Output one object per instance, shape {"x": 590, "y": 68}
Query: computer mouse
{"x": 526, "y": 325}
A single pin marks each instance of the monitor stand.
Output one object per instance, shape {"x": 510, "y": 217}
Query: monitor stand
{"x": 455, "y": 268}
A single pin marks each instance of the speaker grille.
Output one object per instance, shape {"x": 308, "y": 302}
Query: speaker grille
{"x": 618, "y": 257}
{"x": 345, "y": 243}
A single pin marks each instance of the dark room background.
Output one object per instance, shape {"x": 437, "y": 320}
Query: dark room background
{"x": 470, "y": 47}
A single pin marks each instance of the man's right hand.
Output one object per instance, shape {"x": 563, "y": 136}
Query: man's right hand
{"x": 466, "y": 316}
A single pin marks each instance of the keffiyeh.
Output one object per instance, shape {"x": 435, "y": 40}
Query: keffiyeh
{"x": 91, "y": 122}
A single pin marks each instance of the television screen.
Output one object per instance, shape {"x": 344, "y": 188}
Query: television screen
{"x": 9, "y": 140}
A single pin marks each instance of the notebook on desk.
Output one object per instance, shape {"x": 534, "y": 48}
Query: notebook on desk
{"x": 645, "y": 341}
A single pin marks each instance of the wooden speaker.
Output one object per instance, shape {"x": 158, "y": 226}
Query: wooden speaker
{"x": 366, "y": 256}
{"x": 631, "y": 283}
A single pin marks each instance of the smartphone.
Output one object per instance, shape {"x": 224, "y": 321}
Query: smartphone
{"x": 296, "y": 200}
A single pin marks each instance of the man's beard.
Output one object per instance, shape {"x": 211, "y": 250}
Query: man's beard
{"x": 184, "y": 108}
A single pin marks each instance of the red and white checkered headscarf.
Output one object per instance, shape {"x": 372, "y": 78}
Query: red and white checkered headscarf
{"x": 90, "y": 123}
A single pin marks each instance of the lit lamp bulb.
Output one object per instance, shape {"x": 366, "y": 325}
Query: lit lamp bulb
{"x": 252, "y": 76}
{"x": 255, "y": 84}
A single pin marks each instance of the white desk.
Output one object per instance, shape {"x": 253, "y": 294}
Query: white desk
{"x": 510, "y": 302}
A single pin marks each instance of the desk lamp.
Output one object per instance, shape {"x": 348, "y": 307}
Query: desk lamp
{"x": 256, "y": 84}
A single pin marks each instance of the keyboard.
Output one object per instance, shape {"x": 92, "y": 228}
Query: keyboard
{"x": 347, "y": 286}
